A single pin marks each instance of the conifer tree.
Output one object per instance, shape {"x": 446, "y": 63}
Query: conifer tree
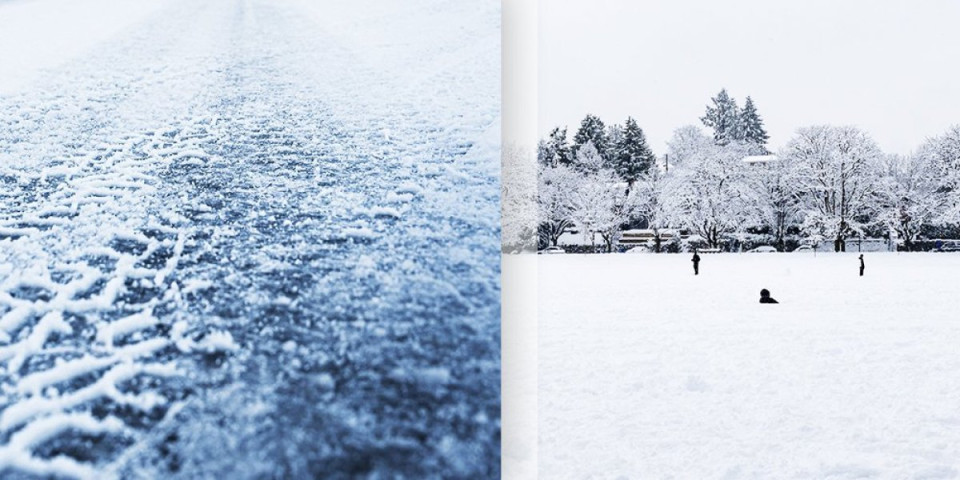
{"x": 723, "y": 118}
{"x": 751, "y": 126}
{"x": 614, "y": 139}
{"x": 554, "y": 150}
{"x": 632, "y": 155}
{"x": 591, "y": 130}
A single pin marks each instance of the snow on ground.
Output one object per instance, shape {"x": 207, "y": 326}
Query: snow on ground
{"x": 234, "y": 242}
{"x": 647, "y": 371}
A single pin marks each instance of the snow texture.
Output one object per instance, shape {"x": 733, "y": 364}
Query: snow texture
{"x": 249, "y": 239}
{"x": 647, "y": 371}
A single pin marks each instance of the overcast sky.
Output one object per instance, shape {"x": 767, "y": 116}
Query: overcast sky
{"x": 889, "y": 67}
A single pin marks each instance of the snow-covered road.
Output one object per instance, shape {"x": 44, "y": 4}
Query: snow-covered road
{"x": 257, "y": 230}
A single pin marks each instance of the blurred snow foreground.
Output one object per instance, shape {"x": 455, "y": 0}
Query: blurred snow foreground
{"x": 249, "y": 239}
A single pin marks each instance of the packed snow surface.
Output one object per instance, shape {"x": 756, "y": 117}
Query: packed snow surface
{"x": 249, "y": 239}
{"x": 647, "y": 371}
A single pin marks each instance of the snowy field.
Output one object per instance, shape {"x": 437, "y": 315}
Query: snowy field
{"x": 249, "y": 239}
{"x": 647, "y": 371}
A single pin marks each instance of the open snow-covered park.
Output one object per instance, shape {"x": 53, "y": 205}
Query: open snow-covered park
{"x": 647, "y": 371}
{"x": 249, "y": 239}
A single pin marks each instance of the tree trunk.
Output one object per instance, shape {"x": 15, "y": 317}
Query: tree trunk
{"x": 907, "y": 237}
{"x": 713, "y": 238}
{"x": 780, "y": 231}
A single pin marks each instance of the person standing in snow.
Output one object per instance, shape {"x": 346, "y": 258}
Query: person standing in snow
{"x": 861, "y": 264}
{"x": 765, "y": 297}
{"x": 696, "y": 263}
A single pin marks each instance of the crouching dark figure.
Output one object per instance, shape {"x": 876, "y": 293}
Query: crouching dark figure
{"x": 765, "y": 297}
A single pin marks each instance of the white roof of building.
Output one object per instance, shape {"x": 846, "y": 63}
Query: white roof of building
{"x": 759, "y": 158}
{"x": 646, "y": 231}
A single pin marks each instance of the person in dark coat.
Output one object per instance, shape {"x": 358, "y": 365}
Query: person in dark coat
{"x": 696, "y": 263}
{"x": 765, "y": 297}
{"x": 861, "y": 264}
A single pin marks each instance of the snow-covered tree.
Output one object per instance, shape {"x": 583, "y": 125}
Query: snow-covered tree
{"x": 592, "y": 130}
{"x": 588, "y": 159}
{"x": 750, "y": 127}
{"x": 708, "y": 193}
{"x": 614, "y": 138}
{"x": 649, "y": 193}
{"x": 589, "y": 205}
{"x": 909, "y": 194}
{"x": 944, "y": 152}
{"x": 834, "y": 178}
{"x": 600, "y": 204}
{"x": 686, "y": 142}
{"x": 631, "y": 155}
{"x": 554, "y": 186}
{"x": 623, "y": 208}
{"x": 518, "y": 188}
{"x": 773, "y": 196}
{"x": 555, "y": 150}
{"x": 723, "y": 118}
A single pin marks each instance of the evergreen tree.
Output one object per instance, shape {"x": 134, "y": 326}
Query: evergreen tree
{"x": 751, "y": 127}
{"x": 591, "y": 130}
{"x": 545, "y": 157}
{"x": 632, "y": 156}
{"x": 554, "y": 150}
{"x": 614, "y": 138}
{"x": 723, "y": 118}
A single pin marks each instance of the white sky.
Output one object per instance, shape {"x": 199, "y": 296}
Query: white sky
{"x": 889, "y": 67}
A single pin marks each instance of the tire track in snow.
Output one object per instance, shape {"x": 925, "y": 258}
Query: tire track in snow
{"x": 333, "y": 216}
{"x": 82, "y": 334}
{"x": 351, "y": 245}
{"x": 91, "y": 289}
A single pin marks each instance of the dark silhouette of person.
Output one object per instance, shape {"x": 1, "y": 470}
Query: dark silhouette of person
{"x": 696, "y": 263}
{"x": 765, "y": 297}
{"x": 861, "y": 264}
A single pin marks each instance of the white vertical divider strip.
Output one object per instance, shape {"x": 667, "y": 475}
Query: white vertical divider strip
{"x": 519, "y": 338}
